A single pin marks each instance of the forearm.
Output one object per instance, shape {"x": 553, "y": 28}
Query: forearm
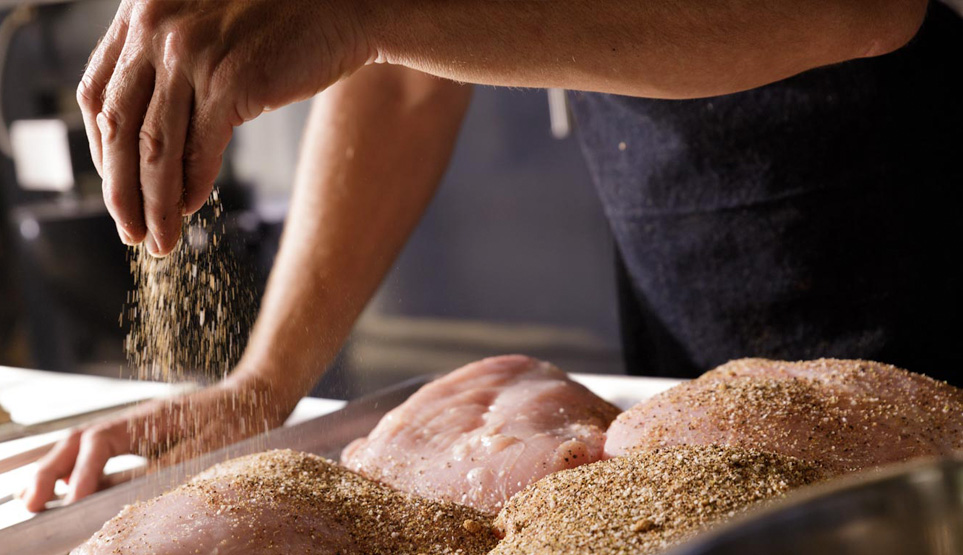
{"x": 657, "y": 48}
{"x": 375, "y": 147}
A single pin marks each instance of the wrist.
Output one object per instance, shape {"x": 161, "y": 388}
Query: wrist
{"x": 364, "y": 23}
{"x": 267, "y": 385}
{"x": 388, "y": 28}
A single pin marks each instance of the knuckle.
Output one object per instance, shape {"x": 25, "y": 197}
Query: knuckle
{"x": 147, "y": 15}
{"x": 96, "y": 434}
{"x": 153, "y": 146}
{"x": 88, "y": 94}
{"x": 113, "y": 122}
{"x": 96, "y": 437}
{"x": 194, "y": 156}
{"x": 177, "y": 43}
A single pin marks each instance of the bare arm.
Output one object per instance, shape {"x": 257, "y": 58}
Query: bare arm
{"x": 171, "y": 80}
{"x": 374, "y": 150}
{"x": 653, "y": 48}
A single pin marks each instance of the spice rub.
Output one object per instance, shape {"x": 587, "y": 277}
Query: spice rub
{"x": 289, "y": 502}
{"x": 644, "y": 502}
{"x": 844, "y": 414}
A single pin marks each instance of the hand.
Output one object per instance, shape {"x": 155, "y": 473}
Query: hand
{"x": 171, "y": 79}
{"x": 166, "y": 431}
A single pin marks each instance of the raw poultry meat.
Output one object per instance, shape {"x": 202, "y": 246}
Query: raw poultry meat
{"x": 288, "y": 502}
{"x": 644, "y": 502}
{"x": 483, "y": 432}
{"x": 844, "y": 414}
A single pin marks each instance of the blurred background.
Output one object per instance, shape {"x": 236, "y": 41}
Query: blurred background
{"x": 513, "y": 255}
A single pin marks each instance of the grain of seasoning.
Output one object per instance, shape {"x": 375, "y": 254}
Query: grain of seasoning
{"x": 189, "y": 314}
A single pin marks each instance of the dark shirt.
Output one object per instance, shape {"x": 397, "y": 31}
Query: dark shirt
{"x": 820, "y": 216}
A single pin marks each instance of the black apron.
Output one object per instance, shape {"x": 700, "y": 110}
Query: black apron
{"x": 821, "y": 216}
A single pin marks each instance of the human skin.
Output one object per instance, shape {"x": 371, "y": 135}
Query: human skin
{"x": 374, "y": 150}
{"x": 170, "y": 81}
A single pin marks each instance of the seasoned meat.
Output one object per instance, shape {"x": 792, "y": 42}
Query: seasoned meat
{"x": 287, "y": 502}
{"x": 843, "y": 414}
{"x": 644, "y": 502}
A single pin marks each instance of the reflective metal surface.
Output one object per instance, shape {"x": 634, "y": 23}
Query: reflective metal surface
{"x": 60, "y": 530}
{"x": 914, "y": 509}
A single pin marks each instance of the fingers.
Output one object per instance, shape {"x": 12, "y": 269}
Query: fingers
{"x": 100, "y": 67}
{"x": 127, "y": 96}
{"x": 207, "y": 137}
{"x": 162, "y": 140}
{"x": 55, "y": 465}
{"x": 97, "y": 446}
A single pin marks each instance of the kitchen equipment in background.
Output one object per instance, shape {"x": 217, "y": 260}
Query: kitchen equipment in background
{"x": 912, "y": 509}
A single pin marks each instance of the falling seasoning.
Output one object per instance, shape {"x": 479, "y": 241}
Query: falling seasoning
{"x": 189, "y": 313}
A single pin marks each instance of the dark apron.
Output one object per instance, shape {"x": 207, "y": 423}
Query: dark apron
{"x": 821, "y": 216}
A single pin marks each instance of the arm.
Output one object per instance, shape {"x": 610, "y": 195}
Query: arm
{"x": 170, "y": 80}
{"x": 374, "y": 150}
{"x": 655, "y": 48}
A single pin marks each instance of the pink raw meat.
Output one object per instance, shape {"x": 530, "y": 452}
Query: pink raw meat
{"x": 484, "y": 432}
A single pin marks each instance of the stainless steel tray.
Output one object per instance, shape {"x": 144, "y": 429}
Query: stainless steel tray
{"x": 910, "y": 509}
{"x": 59, "y": 530}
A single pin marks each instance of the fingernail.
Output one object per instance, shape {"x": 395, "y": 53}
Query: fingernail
{"x": 124, "y": 237}
{"x": 152, "y": 246}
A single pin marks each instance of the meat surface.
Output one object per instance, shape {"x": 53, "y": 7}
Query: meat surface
{"x": 844, "y": 414}
{"x": 288, "y": 502}
{"x": 484, "y": 432}
{"x": 644, "y": 502}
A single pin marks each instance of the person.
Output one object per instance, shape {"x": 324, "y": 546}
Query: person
{"x": 740, "y": 151}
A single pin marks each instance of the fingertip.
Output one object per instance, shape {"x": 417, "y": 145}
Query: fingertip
{"x": 195, "y": 197}
{"x": 151, "y": 246}
{"x": 26, "y": 496}
{"x": 136, "y": 232}
{"x": 160, "y": 245}
{"x": 124, "y": 237}
{"x": 122, "y": 206}
{"x": 33, "y": 500}
{"x": 192, "y": 205}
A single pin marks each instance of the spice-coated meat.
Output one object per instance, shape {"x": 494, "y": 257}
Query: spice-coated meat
{"x": 644, "y": 502}
{"x": 290, "y": 503}
{"x": 843, "y": 414}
